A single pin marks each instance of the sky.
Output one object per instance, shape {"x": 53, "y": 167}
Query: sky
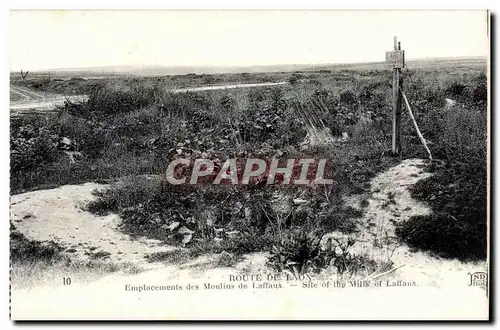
{"x": 41, "y": 40}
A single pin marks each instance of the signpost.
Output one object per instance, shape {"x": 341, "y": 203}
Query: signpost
{"x": 396, "y": 60}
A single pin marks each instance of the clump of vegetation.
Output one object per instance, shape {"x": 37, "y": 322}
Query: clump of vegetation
{"x": 32, "y": 146}
{"x": 103, "y": 101}
{"x": 170, "y": 257}
{"x": 300, "y": 252}
{"x": 294, "y": 78}
{"x": 34, "y": 263}
{"x": 226, "y": 259}
{"x": 23, "y": 250}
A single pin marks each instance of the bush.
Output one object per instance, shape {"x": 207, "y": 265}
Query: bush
{"x": 104, "y": 102}
{"x": 348, "y": 97}
{"x": 161, "y": 211}
{"x": 294, "y": 78}
{"x": 32, "y": 147}
{"x": 456, "y": 89}
{"x": 446, "y": 236}
{"x": 301, "y": 252}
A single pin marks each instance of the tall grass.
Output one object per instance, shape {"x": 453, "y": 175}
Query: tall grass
{"x": 35, "y": 263}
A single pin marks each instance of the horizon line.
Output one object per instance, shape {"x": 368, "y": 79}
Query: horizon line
{"x": 132, "y": 66}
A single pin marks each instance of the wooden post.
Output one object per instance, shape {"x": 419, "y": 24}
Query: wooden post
{"x": 397, "y": 84}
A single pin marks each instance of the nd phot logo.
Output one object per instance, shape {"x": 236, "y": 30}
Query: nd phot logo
{"x": 478, "y": 279}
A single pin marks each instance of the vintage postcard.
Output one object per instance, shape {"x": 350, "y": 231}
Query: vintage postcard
{"x": 249, "y": 165}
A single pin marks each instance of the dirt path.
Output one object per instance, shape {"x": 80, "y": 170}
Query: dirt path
{"x": 23, "y": 95}
{"x": 390, "y": 203}
{"x": 37, "y": 102}
{"x": 27, "y": 93}
{"x": 42, "y": 104}
{"x": 57, "y": 215}
{"x": 229, "y": 86}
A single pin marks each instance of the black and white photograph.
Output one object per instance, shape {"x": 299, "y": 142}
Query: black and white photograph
{"x": 249, "y": 164}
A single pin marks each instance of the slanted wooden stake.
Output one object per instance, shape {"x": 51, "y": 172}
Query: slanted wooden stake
{"x": 420, "y": 136}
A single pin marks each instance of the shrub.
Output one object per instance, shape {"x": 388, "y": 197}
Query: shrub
{"x": 159, "y": 211}
{"x": 301, "y": 252}
{"x": 456, "y": 89}
{"x": 446, "y": 236}
{"x": 103, "y": 101}
{"x": 348, "y": 97}
{"x": 294, "y": 78}
{"x": 32, "y": 147}
{"x": 226, "y": 259}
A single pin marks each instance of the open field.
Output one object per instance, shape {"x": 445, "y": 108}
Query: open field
{"x": 77, "y": 82}
{"x": 381, "y": 212}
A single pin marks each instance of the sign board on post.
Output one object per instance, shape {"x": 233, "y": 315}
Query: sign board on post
{"x": 395, "y": 59}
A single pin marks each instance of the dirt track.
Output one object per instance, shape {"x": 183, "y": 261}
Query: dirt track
{"x": 32, "y": 101}
{"x": 390, "y": 203}
{"x": 229, "y": 86}
{"x": 56, "y": 214}
{"x": 26, "y": 93}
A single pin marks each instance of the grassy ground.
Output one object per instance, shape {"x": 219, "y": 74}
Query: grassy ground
{"x": 136, "y": 130}
{"x": 33, "y": 263}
